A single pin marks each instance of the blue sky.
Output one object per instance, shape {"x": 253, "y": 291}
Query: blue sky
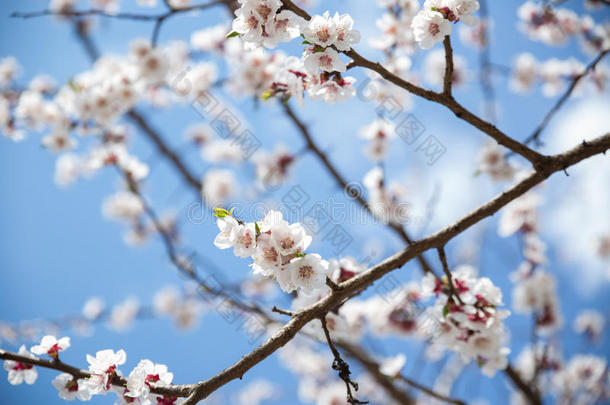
{"x": 56, "y": 249}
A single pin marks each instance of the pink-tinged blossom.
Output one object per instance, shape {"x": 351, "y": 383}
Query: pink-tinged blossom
{"x": 387, "y": 202}
{"x": 590, "y": 323}
{"x": 493, "y": 162}
{"x": 327, "y": 61}
{"x": 321, "y": 30}
{"x": 61, "y": 6}
{"x": 346, "y": 36}
{"x": 219, "y": 185}
{"x": 430, "y": 27}
{"x": 536, "y": 293}
{"x": 259, "y": 23}
{"x": 51, "y": 346}
{"x": 583, "y": 380}
{"x": 210, "y": 39}
{"x": 343, "y": 269}
{"x": 333, "y": 90}
{"x": 103, "y": 368}
{"x": 473, "y": 324}
{"x": 524, "y": 73}
{"x": 520, "y": 215}
{"x": 308, "y": 272}
{"x": 379, "y": 134}
{"x": 147, "y": 373}
{"x": 9, "y": 70}
{"x": 19, "y": 372}
{"x": 273, "y": 168}
{"x": 70, "y": 388}
{"x": 277, "y": 249}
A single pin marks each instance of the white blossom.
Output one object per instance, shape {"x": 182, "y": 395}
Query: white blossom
{"x": 327, "y": 61}
{"x": 145, "y": 373}
{"x": 19, "y": 372}
{"x": 103, "y": 368}
{"x": 51, "y": 346}
{"x": 93, "y": 308}
{"x": 71, "y": 388}
{"x": 430, "y": 27}
{"x": 219, "y": 185}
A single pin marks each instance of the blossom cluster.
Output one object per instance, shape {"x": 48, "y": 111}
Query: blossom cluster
{"x": 555, "y": 25}
{"x": 183, "y": 306}
{"x": 554, "y": 74}
{"x": 103, "y": 368}
{"x": 433, "y": 22}
{"x": 318, "y": 70}
{"x": 535, "y": 290}
{"x": 468, "y": 317}
{"x": 395, "y": 26}
{"x": 276, "y": 247}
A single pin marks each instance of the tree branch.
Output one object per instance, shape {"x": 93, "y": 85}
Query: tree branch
{"x": 142, "y": 122}
{"x": 532, "y": 396}
{"x": 448, "y": 79}
{"x": 448, "y": 101}
{"x": 352, "y": 191}
{"x": 534, "y": 137}
{"x": 172, "y": 390}
{"x": 360, "y": 282}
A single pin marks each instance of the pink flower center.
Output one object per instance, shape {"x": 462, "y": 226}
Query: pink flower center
{"x": 111, "y": 371}
{"x": 345, "y": 275}
{"x": 305, "y": 272}
{"x": 54, "y": 350}
{"x": 22, "y": 366}
{"x": 166, "y": 400}
{"x": 287, "y": 242}
{"x": 270, "y": 254}
{"x": 72, "y": 385}
{"x": 434, "y": 29}
{"x": 460, "y": 285}
{"x": 326, "y": 60}
{"x": 151, "y": 378}
{"x": 252, "y": 22}
{"x": 323, "y": 35}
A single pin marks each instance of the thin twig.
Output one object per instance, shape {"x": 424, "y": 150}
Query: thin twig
{"x": 429, "y": 391}
{"x": 358, "y": 283}
{"x": 443, "y": 258}
{"x": 350, "y": 190}
{"x": 485, "y": 64}
{"x": 341, "y": 366}
{"x": 159, "y": 19}
{"x": 534, "y": 137}
{"x": 460, "y": 111}
{"x": 282, "y": 311}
